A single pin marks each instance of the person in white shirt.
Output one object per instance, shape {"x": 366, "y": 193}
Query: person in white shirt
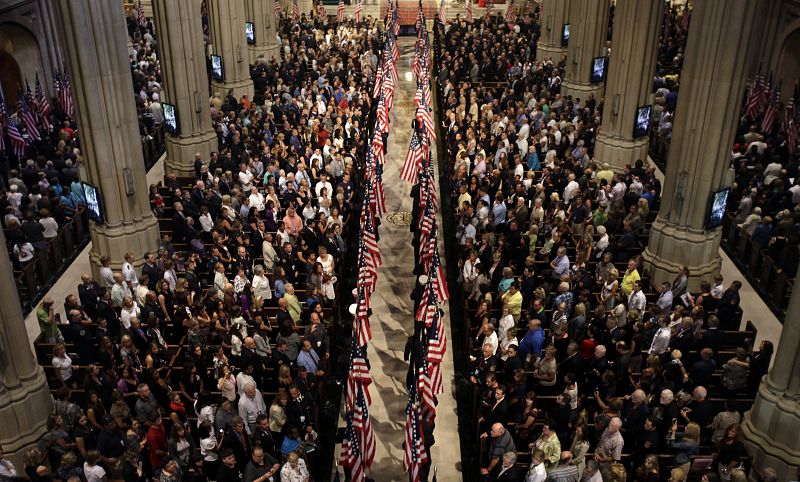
{"x": 106, "y": 274}
{"x": 665, "y": 298}
{"x": 537, "y": 472}
{"x": 323, "y": 182}
{"x": 569, "y": 190}
{"x": 130, "y": 309}
{"x": 637, "y": 299}
{"x": 91, "y": 470}
{"x": 129, "y": 273}
{"x": 660, "y": 343}
{"x": 256, "y": 200}
{"x": 245, "y": 177}
{"x": 251, "y": 405}
{"x": 50, "y": 225}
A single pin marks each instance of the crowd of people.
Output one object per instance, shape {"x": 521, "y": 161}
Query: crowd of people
{"x": 162, "y": 371}
{"x": 575, "y": 359}
{"x": 765, "y": 199}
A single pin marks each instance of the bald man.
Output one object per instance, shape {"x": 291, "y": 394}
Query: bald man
{"x": 501, "y": 443}
{"x": 609, "y": 449}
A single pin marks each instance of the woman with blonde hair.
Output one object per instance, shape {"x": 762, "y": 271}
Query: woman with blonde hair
{"x": 677, "y": 474}
{"x": 649, "y": 471}
{"x": 684, "y": 445}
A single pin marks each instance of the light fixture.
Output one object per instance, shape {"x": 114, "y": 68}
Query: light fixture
{"x": 352, "y": 309}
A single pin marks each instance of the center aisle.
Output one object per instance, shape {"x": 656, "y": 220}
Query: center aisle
{"x": 392, "y": 318}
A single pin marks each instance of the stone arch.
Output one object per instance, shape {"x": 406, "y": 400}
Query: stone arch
{"x": 788, "y": 61}
{"x": 20, "y": 59}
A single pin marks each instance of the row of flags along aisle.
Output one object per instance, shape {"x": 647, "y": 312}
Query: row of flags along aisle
{"x": 763, "y": 103}
{"x": 31, "y": 119}
{"x": 358, "y": 446}
{"x": 428, "y": 345}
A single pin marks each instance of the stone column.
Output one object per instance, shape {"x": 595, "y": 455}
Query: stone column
{"x": 95, "y": 45}
{"x": 771, "y": 428}
{"x": 25, "y": 400}
{"x": 555, "y": 13}
{"x": 588, "y": 37}
{"x": 185, "y": 81}
{"x": 262, "y": 14}
{"x": 712, "y": 84}
{"x": 637, "y": 24}
{"x": 228, "y": 40}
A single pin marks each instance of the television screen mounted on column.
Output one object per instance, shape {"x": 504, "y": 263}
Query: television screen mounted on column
{"x": 250, "y": 33}
{"x": 599, "y": 66}
{"x": 641, "y": 126}
{"x": 217, "y": 71}
{"x": 171, "y": 119}
{"x": 565, "y": 35}
{"x": 94, "y": 204}
{"x": 716, "y": 208}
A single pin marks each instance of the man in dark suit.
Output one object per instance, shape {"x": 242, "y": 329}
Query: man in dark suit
{"x": 507, "y": 470}
{"x": 89, "y": 294}
{"x": 238, "y": 441}
{"x": 495, "y": 413}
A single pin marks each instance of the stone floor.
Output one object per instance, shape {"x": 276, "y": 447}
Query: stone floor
{"x": 392, "y": 320}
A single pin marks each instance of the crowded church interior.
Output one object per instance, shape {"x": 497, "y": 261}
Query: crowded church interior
{"x": 399, "y": 240}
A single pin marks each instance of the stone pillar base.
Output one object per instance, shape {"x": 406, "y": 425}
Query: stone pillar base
{"x": 581, "y": 90}
{"x": 115, "y": 241}
{"x": 771, "y": 433}
{"x": 240, "y": 88}
{"x": 544, "y": 52}
{"x": 618, "y": 152}
{"x": 181, "y": 151}
{"x": 671, "y": 246}
{"x": 23, "y": 416}
{"x": 266, "y": 52}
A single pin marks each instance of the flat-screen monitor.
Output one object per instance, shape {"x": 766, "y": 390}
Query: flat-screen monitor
{"x": 599, "y": 65}
{"x": 250, "y": 33}
{"x": 565, "y": 35}
{"x": 716, "y": 208}
{"x": 171, "y": 119}
{"x": 217, "y": 70}
{"x": 94, "y": 205}
{"x": 642, "y": 124}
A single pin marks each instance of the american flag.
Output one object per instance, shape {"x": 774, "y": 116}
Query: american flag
{"x": 340, "y": 11}
{"x": 686, "y": 17}
{"x": 296, "y": 10}
{"x": 3, "y": 120}
{"x": 380, "y": 197}
{"x": 414, "y": 159}
{"x": 423, "y": 114}
{"x": 277, "y": 4}
{"x": 766, "y": 94}
{"x": 789, "y": 126}
{"x": 511, "y": 13}
{"x": 363, "y": 424}
{"x": 442, "y": 12}
{"x": 18, "y": 143}
{"x": 437, "y": 278}
{"x": 396, "y": 18}
{"x": 414, "y": 455}
{"x": 42, "y": 105}
{"x": 321, "y": 10}
{"x": 350, "y": 456}
{"x": 376, "y": 90}
{"x": 65, "y": 95}
{"x": 469, "y": 11}
{"x": 771, "y": 114}
{"x": 528, "y": 7}
{"x": 28, "y": 118}
{"x": 754, "y": 97}
{"x": 359, "y": 11}
{"x": 666, "y": 20}
{"x": 140, "y": 14}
